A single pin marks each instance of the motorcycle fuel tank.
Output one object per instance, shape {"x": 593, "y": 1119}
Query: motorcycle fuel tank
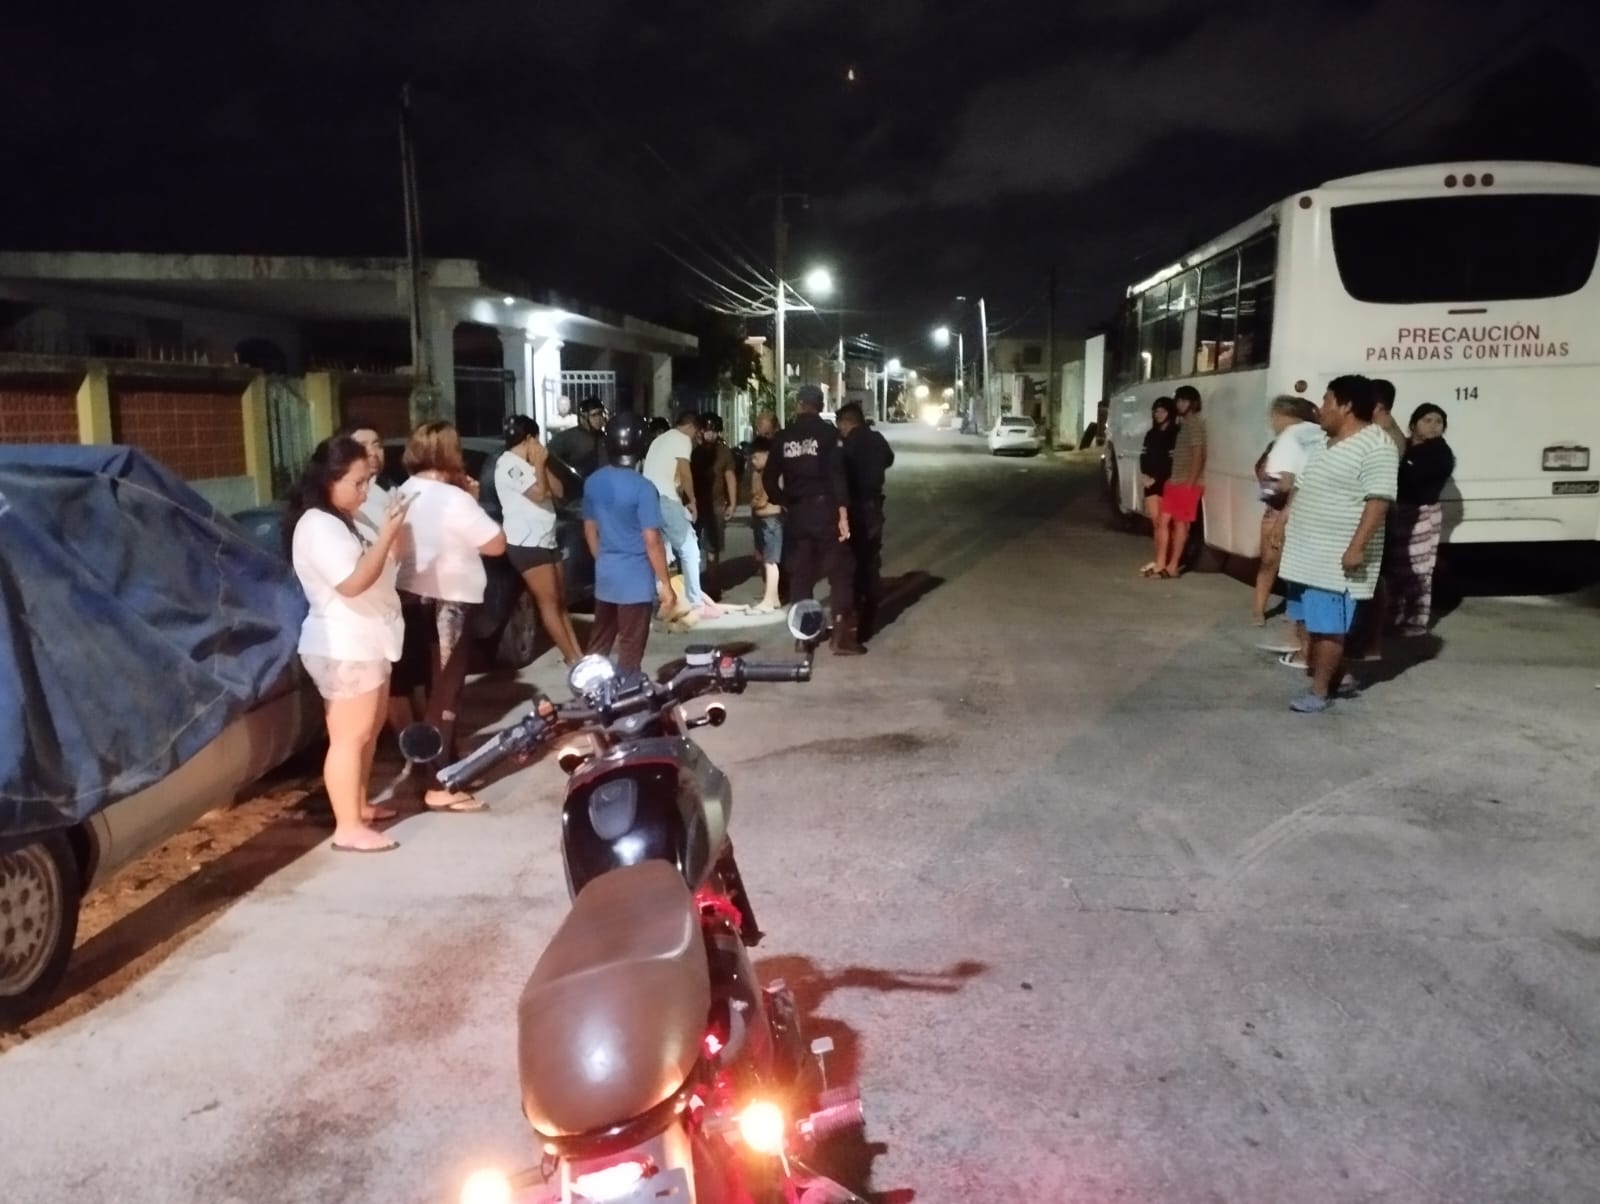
{"x": 659, "y": 798}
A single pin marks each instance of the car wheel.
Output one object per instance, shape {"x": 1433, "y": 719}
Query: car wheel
{"x": 519, "y": 640}
{"x": 40, "y": 890}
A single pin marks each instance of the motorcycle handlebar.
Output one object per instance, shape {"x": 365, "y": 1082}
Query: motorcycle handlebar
{"x": 519, "y": 737}
{"x": 794, "y": 671}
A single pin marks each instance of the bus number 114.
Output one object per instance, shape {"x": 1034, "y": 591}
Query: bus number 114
{"x": 1469, "y": 393}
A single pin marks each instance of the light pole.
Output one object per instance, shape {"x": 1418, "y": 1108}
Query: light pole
{"x": 817, "y": 280}
{"x": 941, "y": 338}
{"x": 820, "y": 283}
{"x": 983, "y": 389}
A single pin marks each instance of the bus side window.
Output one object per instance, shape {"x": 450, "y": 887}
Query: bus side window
{"x": 1258, "y": 263}
{"x": 1214, "y": 336}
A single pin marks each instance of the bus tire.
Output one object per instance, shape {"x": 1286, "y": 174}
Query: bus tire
{"x": 1198, "y": 555}
{"x": 1116, "y": 518}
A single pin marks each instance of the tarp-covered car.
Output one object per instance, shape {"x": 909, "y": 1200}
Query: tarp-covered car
{"x": 147, "y": 674}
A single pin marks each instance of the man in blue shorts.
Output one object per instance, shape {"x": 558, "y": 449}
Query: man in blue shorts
{"x": 1333, "y": 544}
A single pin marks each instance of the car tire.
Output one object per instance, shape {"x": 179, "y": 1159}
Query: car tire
{"x": 41, "y": 889}
{"x": 519, "y": 638}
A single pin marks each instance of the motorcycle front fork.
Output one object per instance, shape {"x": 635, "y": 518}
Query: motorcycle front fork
{"x": 728, "y": 871}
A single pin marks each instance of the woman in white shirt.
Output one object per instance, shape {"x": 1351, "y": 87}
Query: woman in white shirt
{"x": 527, "y": 492}
{"x": 1296, "y": 427}
{"x": 352, "y": 630}
{"x": 445, "y": 537}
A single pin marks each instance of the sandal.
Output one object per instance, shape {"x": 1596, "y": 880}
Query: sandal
{"x": 1290, "y": 660}
{"x": 1149, "y": 570}
{"x": 459, "y": 804}
{"x": 350, "y": 848}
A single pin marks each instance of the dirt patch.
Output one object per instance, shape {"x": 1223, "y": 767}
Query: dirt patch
{"x": 157, "y": 904}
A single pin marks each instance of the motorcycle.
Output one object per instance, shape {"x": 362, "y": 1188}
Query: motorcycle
{"x": 654, "y": 1066}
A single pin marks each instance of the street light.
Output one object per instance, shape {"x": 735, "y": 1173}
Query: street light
{"x": 891, "y": 368}
{"x": 941, "y": 338}
{"x": 819, "y": 281}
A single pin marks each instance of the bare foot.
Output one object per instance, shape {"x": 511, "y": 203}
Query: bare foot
{"x": 457, "y": 802}
{"x": 361, "y": 840}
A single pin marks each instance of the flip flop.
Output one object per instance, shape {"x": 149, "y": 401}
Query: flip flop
{"x": 380, "y": 815}
{"x": 1288, "y": 661}
{"x": 350, "y": 848}
{"x": 463, "y": 804}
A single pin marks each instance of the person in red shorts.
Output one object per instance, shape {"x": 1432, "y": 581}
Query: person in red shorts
{"x": 1180, "y": 500}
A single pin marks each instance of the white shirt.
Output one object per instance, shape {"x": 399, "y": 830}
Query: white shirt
{"x": 438, "y": 545}
{"x": 366, "y": 627}
{"x": 528, "y": 524}
{"x": 661, "y": 462}
{"x": 1290, "y": 449}
{"x": 371, "y": 512}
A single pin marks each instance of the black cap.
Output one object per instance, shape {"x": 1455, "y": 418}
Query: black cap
{"x": 809, "y": 395}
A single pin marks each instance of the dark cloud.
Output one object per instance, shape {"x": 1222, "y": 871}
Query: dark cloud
{"x": 981, "y": 142}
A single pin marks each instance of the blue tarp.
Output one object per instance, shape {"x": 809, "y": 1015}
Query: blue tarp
{"x": 136, "y": 622}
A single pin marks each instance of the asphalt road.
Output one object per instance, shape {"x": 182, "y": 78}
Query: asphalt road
{"x": 1089, "y": 913}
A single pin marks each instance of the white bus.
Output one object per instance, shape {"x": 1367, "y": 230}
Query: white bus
{"x": 1472, "y": 286}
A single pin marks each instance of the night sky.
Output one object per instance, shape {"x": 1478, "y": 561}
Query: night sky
{"x": 597, "y": 146}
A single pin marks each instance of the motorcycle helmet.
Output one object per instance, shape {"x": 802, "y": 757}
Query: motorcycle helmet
{"x": 624, "y": 438}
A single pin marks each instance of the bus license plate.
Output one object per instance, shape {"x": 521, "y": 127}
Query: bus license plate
{"x": 1566, "y": 459}
{"x": 1563, "y": 488}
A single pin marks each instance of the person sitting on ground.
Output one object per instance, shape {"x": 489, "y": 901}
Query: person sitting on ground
{"x": 1296, "y": 430}
{"x": 1413, "y": 551}
{"x": 352, "y": 631}
{"x": 1155, "y": 466}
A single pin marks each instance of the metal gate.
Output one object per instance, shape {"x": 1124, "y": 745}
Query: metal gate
{"x": 579, "y": 385}
{"x": 288, "y": 432}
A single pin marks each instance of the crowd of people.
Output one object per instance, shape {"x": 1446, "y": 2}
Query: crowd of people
{"x": 392, "y": 576}
{"x": 1351, "y": 523}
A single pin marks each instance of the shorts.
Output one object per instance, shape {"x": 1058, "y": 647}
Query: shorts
{"x": 523, "y": 559}
{"x": 713, "y": 529}
{"x": 1181, "y": 503}
{"x": 336, "y": 679}
{"x": 1273, "y": 525}
{"x": 1156, "y": 489}
{"x": 768, "y": 530}
{"x": 1323, "y": 612}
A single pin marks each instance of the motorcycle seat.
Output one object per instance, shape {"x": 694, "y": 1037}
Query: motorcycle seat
{"x": 611, "y": 1020}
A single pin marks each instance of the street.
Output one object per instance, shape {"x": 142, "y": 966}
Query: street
{"x": 1088, "y": 911}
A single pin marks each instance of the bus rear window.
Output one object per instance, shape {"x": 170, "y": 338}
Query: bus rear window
{"x": 1463, "y": 249}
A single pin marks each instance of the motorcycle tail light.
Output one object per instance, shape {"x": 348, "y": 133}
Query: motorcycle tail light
{"x": 762, "y": 1127}
{"x": 610, "y": 1182}
{"x": 486, "y": 1187}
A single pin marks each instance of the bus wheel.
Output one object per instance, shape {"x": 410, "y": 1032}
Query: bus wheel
{"x": 1115, "y": 519}
{"x": 1201, "y": 557}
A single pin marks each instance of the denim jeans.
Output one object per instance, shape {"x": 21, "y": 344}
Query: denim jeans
{"x": 680, "y": 535}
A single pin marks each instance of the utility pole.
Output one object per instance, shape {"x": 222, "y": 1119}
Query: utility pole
{"x": 424, "y": 395}
{"x": 1050, "y": 385}
{"x": 983, "y": 333}
{"x": 780, "y": 244}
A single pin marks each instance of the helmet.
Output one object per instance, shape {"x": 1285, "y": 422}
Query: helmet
{"x": 624, "y": 438}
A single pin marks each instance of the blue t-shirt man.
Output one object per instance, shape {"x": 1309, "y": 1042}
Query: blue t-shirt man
{"x": 623, "y": 506}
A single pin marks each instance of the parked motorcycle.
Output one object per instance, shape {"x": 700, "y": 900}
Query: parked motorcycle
{"x": 654, "y": 1065}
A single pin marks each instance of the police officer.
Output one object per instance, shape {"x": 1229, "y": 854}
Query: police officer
{"x": 867, "y": 458}
{"x": 583, "y": 447}
{"x": 805, "y": 474}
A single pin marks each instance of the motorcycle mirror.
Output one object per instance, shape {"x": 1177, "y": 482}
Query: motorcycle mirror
{"x": 421, "y": 742}
{"x": 591, "y": 675}
{"x": 807, "y": 621}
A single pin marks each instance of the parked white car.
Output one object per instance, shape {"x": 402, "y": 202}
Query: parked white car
{"x": 44, "y": 877}
{"x": 1014, "y": 434}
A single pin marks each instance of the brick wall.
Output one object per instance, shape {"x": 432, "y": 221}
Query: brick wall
{"x": 199, "y": 433}
{"x": 389, "y": 413}
{"x": 38, "y": 413}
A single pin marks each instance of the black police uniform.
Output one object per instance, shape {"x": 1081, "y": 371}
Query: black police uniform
{"x": 867, "y": 458}
{"x": 580, "y": 447}
{"x": 805, "y": 474}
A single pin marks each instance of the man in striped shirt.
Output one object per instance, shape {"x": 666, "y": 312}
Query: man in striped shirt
{"x": 1333, "y": 546}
